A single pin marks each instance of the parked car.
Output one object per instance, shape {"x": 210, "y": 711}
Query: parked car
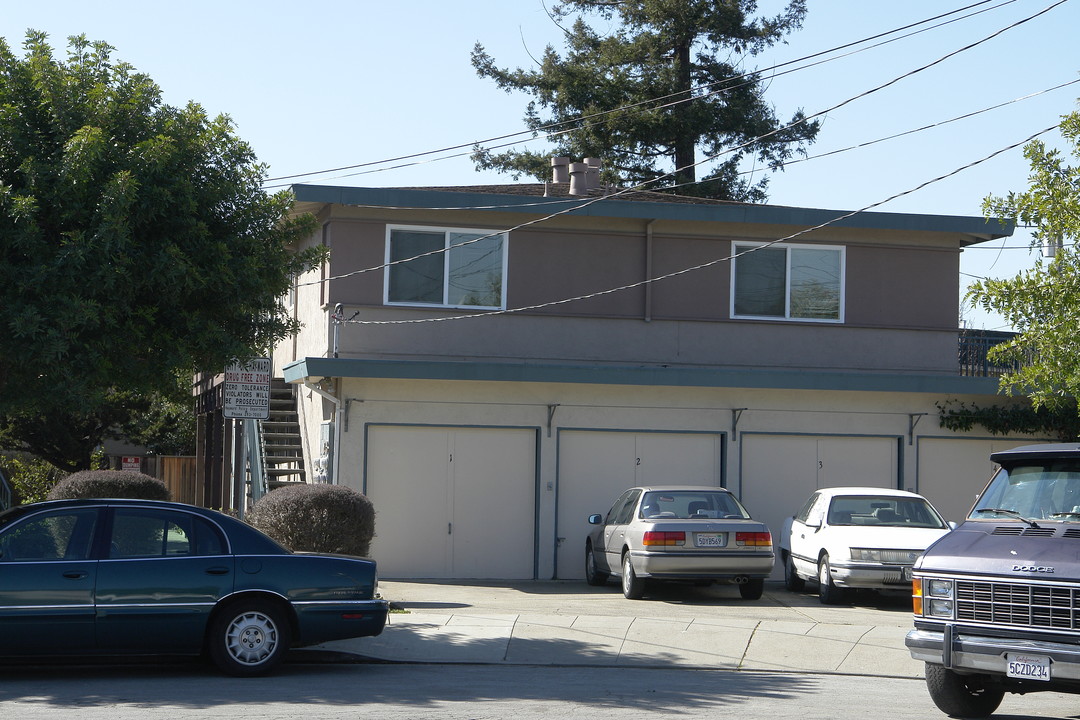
{"x": 699, "y": 534}
{"x": 136, "y": 577}
{"x": 857, "y": 537}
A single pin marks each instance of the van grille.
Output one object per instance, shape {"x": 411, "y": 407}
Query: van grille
{"x": 1040, "y": 606}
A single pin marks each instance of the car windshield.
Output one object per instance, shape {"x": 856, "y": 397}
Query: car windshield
{"x": 689, "y": 504}
{"x": 1047, "y": 490}
{"x": 883, "y": 510}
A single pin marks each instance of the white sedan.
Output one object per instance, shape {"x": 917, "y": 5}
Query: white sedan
{"x": 857, "y": 537}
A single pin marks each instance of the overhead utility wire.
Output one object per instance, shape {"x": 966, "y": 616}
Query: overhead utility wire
{"x": 591, "y": 201}
{"x": 710, "y": 263}
{"x": 623, "y": 108}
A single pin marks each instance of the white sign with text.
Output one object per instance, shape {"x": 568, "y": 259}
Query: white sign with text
{"x": 247, "y": 389}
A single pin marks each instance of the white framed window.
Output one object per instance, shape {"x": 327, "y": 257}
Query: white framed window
{"x": 445, "y": 267}
{"x": 788, "y": 282}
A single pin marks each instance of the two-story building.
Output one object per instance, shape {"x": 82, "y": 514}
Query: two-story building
{"x": 492, "y": 364}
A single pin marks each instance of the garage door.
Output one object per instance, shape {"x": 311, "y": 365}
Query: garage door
{"x": 595, "y": 466}
{"x": 779, "y": 472}
{"x": 452, "y": 502}
{"x": 953, "y": 471}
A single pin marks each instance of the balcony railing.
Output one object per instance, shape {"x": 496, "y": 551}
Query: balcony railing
{"x": 973, "y": 348}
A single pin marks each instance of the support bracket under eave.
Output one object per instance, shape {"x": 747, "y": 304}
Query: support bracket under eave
{"x": 551, "y": 416}
{"x": 913, "y": 420}
{"x": 736, "y": 414}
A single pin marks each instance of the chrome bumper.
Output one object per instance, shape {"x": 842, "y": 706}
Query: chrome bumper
{"x": 976, "y": 653}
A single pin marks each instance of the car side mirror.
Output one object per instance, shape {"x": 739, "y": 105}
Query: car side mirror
{"x": 596, "y": 519}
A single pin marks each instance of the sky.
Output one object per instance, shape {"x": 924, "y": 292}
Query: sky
{"x": 334, "y": 84}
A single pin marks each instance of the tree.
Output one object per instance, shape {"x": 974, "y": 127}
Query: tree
{"x": 136, "y": 242}
{"x": 666, "y": 82}
{"x": 1043, "y": 303}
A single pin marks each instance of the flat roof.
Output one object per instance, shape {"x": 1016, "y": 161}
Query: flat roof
{"x": 530, "y": 198}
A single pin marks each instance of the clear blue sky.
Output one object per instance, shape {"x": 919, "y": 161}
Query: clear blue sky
{"x": 337, "y": 83}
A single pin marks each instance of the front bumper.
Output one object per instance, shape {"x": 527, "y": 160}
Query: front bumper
{"x": 872, "y": 576}
{"x": 973, "y": 653}
{"x": 702, "y": 566}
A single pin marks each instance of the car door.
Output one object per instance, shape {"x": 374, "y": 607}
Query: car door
{"x": 47, "y": 579}
{"x": 615, "y": 527}
{"x": 804, "y": 535}
{"x": 162, "y": 575}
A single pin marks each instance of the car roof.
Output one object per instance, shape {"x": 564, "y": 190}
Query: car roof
{"x": 673, "y": 488}
{"x": 892, "y": 492}
{"x": 1046, "y": 451}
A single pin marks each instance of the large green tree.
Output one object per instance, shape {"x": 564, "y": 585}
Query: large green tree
{"x": 136, "y": 245}
{"x": 663, "y": 83}
{"x": 1042, "y": 304}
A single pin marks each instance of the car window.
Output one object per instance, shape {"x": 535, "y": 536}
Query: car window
{"x": 688, "y": 504}
{"x": 883, "y": 510}
{"x": 62, "y": 535}
{"x": 804, "y": 513}
{"x": 147, "y": 533}
{"x": 613, "y": 513}
{"x": 627, "y": 509}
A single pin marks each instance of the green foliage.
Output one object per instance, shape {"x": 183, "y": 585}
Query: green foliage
{"x": 137, "y": 243}
{"x": 31, "y": 478}
{"x": 110, "y": 484}
{"x": 652, "y": 54}
{"x": 317, "y": 518}
{"x": 1061, "y": 422}
{"x": 1043, "y": 303}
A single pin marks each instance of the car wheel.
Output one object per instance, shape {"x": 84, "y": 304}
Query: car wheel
{"x": 752, "y": 589}
{"x": 593, "y": 576}
{"x": 828, "y": 593}
{"x": 961, "y": 695}
{"x": 248, "y": 638}
{"x": 792, "y": 581}
{"x": 633, "y": 587}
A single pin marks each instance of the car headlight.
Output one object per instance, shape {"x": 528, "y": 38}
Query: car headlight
{"x": 938, "y": 600}
{"x": 866, "y": 555}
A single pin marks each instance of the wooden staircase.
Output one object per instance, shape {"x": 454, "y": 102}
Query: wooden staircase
{"x": 279, "y": 436}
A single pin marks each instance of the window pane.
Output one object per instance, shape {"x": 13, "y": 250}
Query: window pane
{"x": 475, "y": 270}
{"x": 62, "y": 536}
{"x": 815, "y": 284}
{"x": 760, "y": 281}
{"x": 419, "y": 280}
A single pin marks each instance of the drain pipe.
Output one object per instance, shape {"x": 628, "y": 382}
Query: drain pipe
{"x": 648, "y": 269}
{"x": 315, "y": 388}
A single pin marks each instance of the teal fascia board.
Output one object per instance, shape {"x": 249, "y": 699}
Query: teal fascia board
{"x": 319, "y": 367}
{"x": 618, "y": 208}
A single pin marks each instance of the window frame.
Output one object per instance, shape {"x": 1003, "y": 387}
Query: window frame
{"x": 742, "y": 247}
{"x": 447, "y": 233}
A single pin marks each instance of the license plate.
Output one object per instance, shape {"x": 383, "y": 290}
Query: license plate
{"x": 710, "y": 539}
{"x": 1027, "y": 667}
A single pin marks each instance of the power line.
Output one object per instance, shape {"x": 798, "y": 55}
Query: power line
{"x": 554, "y": 128}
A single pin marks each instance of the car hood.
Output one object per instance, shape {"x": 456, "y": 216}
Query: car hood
{"x": 1002, "y": 548}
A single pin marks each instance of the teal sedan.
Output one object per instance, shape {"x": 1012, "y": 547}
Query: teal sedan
{"x": 138, "y": 577}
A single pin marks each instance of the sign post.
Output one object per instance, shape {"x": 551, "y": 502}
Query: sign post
{"x": 247, "y": 390}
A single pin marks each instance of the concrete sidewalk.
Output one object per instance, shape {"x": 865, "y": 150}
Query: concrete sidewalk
{"x": 570, "y": 623}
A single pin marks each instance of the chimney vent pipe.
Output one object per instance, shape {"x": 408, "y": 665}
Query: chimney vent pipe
{"x": 560, "y": 169}
{"x": 579, "y": 183}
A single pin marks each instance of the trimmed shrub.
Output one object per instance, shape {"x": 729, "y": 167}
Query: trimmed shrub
{"x": 110, "y": 484}
{"x": 317, "y": 518}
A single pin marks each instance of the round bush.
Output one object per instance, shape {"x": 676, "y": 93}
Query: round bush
{"x": 317, "y": 518}
{"x": 109, "y": 484}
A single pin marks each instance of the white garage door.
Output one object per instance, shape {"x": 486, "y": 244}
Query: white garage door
{"x": 952, "y": 471}
{"x": 452, "y": 502}
{"x": 779, "y": 472}
{"x": 596, "y": 466}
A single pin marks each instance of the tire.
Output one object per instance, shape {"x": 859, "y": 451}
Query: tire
{"x": 593, "y": 576}
{"x": 249, "y": 638}
{"x": 792, "y": 581}
{"x": 828, "y": 593}
{"x": 752, "y": 589}
{"x": 959, "y": 695}
{"x": 633, "y": 587}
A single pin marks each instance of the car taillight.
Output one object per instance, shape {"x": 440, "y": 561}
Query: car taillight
{"x": 657, "y": 537}
{"x": 754, "y": 539}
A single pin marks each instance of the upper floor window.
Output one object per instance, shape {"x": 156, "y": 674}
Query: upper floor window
{"x": 788, "y": 282}
{"x": 447, "y": 268}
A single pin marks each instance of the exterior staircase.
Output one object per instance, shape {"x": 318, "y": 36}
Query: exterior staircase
{"x": 279, "y": 437}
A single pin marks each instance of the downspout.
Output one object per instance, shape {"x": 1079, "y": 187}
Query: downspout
{"x": 314, "y": 387}
{"x": 648, "y": 269}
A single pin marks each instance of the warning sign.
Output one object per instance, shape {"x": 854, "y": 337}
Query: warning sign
{"x": 247, "y": 390}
